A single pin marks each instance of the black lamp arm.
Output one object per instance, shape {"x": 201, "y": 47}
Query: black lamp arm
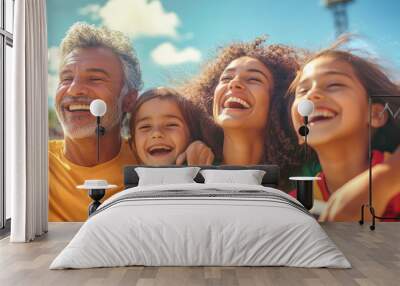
{"x": 100, "y": 131}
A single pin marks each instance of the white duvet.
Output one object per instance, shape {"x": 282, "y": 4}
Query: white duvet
{"x": 265, "y": 229}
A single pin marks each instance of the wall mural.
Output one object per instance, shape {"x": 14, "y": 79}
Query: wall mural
{"x": 191, "y": 84}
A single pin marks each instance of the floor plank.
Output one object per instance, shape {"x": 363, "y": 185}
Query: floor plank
{"x": 374, "y": 255}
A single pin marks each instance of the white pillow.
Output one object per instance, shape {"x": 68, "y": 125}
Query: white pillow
{"x": 248, "y": 177}
{"x": 162, "y": 176}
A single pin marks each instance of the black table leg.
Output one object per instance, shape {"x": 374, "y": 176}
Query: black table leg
{"x": 96, "y": 195}
{"x": 305, "y": 193}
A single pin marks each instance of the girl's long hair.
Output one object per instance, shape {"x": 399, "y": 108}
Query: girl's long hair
{"x": 375, "y": 82}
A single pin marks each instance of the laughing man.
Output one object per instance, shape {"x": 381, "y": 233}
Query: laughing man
{"x": 96, "y": 63}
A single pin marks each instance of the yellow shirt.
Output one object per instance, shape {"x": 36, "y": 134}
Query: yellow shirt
{"x": 66, "y": 202}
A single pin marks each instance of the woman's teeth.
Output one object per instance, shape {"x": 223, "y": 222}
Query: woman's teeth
{"x": 235, "y": 102}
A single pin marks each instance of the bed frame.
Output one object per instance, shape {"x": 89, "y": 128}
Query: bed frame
{"x": 270, "y": 179}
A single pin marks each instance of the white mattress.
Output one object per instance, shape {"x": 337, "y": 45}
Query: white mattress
{"x": 143, "y": 226}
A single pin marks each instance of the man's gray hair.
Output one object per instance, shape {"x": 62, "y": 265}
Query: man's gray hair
{"x": 82, "y": 35}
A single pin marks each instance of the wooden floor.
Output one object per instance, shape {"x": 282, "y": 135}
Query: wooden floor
{"x": 374, "y": 255}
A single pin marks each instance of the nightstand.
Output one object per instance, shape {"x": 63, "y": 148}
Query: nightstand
{"x": 97, "y": 189}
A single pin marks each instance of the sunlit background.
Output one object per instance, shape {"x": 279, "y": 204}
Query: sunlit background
{"x": 172, "y": 38}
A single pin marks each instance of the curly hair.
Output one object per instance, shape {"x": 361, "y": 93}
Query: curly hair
{"x": 283, "y": 62}
{"x": 82, "y": 35}
{"x": 200, "y": 126}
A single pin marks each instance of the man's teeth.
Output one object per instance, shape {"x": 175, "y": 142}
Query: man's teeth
{"x": 74, "y": 107}
{"x": 238, "y": 100}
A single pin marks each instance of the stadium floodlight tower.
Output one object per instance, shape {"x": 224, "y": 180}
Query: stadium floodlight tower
{"x": 339, "y": 13}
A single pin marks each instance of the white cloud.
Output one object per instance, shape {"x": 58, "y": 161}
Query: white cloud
{"x": 52, "y": 83}
{"x": 135, "y": 17}
{"x": 54, "y": 58}
{"x": 363, "y": 48}
{"x": 167, "y": 54}
{"x": 53, "y": 66}
{"x": 91, "y": 10}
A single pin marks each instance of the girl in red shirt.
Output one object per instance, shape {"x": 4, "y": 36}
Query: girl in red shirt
{"x": 339, "y": 84}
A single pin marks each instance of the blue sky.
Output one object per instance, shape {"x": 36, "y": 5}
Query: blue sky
{"x": 173, "y": 37}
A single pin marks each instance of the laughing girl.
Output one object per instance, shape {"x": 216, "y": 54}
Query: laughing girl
{"x": 168, "y": 129}
{"x": 339, "y": 83}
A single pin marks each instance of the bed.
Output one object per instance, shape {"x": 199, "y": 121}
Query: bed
{"x": 201, "y": 224}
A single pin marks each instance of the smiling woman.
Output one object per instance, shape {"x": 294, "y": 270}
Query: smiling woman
{"x": 243, "y": 88}
{"x": 241, "y": 98}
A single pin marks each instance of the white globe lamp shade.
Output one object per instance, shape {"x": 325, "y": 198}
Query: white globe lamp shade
{"x": 98, "y": 107}
{"x": 305, "y": 107}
